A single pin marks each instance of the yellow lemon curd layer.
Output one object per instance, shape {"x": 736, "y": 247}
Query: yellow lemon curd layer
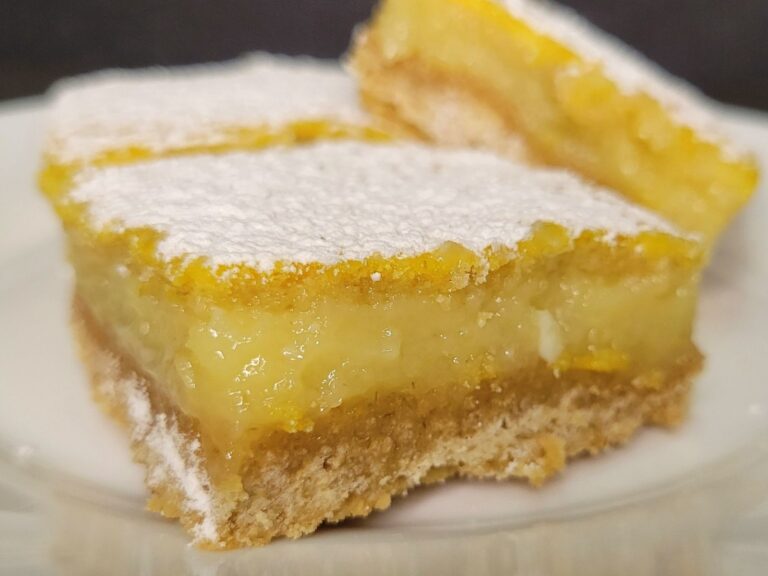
{"x": 569, "y": 111}
{"x": 249, "y": 353}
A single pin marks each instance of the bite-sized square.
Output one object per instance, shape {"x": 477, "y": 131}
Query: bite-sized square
{"x": 296, "y": 335}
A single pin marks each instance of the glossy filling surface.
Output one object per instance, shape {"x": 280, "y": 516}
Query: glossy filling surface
{"x": 248, "y": 369}
{"x": 568, "y": 110}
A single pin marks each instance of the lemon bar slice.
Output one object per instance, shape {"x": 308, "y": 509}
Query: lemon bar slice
{"x": 122, "y": 116}
{"x": 296, "y": 335}
{"x": 534, "y": 80}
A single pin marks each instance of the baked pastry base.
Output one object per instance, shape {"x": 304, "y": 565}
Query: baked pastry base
{"x": 361, "y": 454}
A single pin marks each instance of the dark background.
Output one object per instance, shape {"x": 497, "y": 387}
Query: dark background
{"x": 719, "y": 45}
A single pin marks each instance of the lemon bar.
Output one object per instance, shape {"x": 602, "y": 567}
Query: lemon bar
{"x": 296, "y": 335}
{"x": 533, "y": 80}
{"x": 123, "y": 116}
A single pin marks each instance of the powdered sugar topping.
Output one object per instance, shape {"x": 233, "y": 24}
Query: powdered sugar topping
{"x": 631, "y": 71}
{"x": 165, "y": 109}
{"x": 335, "y": 201}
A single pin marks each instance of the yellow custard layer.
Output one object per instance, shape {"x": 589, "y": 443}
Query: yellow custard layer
{"x": 568, "y": 111}
{"x": 278, "y": 362}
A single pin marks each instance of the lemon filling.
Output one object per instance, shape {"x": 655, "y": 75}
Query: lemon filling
{"x": 240, "y": 368}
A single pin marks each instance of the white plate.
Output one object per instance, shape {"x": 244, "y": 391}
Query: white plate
{"x": 49, "y": 426}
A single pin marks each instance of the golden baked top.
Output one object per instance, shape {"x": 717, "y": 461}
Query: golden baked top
{"x": 343, "y": 212}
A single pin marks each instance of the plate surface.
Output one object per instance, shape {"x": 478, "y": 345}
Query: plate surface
{"x": 48, "y": 424}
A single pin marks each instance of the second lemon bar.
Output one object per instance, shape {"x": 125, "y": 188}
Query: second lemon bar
{"x": 531, "y": 79}
{"x": 297, "y": 335}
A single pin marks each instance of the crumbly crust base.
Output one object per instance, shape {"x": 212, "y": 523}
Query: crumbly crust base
{"x": 360, "y": 455}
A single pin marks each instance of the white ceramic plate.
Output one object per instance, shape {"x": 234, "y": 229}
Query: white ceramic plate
{"x": 49, "y": 426}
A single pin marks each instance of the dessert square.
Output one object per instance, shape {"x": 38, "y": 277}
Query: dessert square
{"x": 532, "y": 80}
{"x": 297, "y": 335}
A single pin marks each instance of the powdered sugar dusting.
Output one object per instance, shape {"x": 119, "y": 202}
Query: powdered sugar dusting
{"x": 165, "y": 109}
{"x": 176, "y": 458}
{"x": 336, "y": 201}
{"x": 631, "y": 71}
